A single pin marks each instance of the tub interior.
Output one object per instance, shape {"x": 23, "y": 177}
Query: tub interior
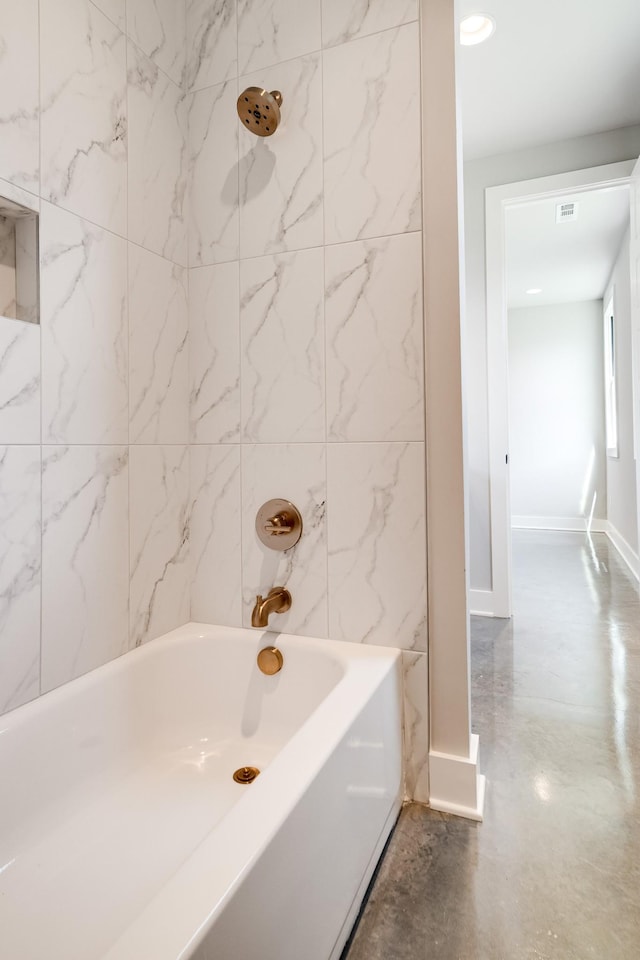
{"x": 91, "y": 797}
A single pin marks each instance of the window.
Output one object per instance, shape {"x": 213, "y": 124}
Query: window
{"x": 610, "y": 391}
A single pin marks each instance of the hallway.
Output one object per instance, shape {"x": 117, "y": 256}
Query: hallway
{"x": 553, "y": 873}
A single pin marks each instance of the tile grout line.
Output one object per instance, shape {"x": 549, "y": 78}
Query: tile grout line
{"x": 241, "y": 438}
{"x": 128, "y": 325}
{"x": 327, "y": 509}
{"x": 314, "y": 246}
{"x": 41, "y": 347}
{"x": 317, "y": 51}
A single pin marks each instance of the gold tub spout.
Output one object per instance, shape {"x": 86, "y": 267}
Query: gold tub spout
{"x": 277, "y": 600}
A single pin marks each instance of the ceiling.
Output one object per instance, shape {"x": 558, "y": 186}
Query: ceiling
{"x": 553, "y": 69}
{"x": 569, "y": 261}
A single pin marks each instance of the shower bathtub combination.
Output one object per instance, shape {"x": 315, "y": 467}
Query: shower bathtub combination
{"x": 124, "y": 835}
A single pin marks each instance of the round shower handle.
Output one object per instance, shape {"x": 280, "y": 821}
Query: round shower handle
{"x": 279, "y": 524}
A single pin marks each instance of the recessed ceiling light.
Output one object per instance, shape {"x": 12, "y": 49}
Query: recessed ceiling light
{"x": 476, "y": 28}
{"x": 534, "y": 290}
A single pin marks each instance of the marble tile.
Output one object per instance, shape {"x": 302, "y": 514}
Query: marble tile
{"x": 372, "y": 137}
{"x": 213, "y": 175}
{"x": 270, "y": 31}
{"x": 294, "y": 472}
{"x": 281, "y": 319}
{"x": 10, "y": 191}
{"x": 377, "y": 544}
{"x": 375, "y": 355}
{"x": 347, "y": 21}
{"x": 212, "y": 43}
{"x": 159, "y": 491}
{"x": 19, "y": 93}
{"x": 158, "y": 27}
{"x": 415, "y": 674}
{"x": 19, "y": 575}
{"x": 158, "y": 350}
{"x": 85, "y": 564}
{"x": 19, "y": 382}
{"x": 157, "y": 160}
{"x": 281, "y": 176}
{"x": 84, "y": 115}
{"x": 215, "y": 535}
{"x": 83, "y": 300}
{"x": 214, "y": 351}
{"x": 115, "y": 10}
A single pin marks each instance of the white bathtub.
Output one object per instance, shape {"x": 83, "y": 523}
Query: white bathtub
{"x": 124, "y": 837}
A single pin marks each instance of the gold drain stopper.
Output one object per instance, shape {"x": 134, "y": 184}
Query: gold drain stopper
{"x": 246, "y": 774}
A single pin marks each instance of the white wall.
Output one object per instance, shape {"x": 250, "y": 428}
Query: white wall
{"x": 621, "y": 473}
{"x": 556, "y": 413}
{"x": 559, "y": 157}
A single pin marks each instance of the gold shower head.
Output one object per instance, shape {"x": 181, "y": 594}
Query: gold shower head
{"x": 259, "y": 110}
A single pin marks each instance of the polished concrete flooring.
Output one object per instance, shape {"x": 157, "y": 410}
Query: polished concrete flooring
{"x": 553, "y": 873}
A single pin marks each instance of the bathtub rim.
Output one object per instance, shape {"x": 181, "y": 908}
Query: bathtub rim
{"x": 290, "y": 774}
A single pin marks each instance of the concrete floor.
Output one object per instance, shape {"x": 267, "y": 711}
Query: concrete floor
{"x": 553, "y": 873}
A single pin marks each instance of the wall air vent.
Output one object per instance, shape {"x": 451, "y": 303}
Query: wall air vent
{"x": 566, "y": 212}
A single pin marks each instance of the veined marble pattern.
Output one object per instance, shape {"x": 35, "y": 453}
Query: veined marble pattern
{"x": 377, "y": 544}
{"x": 159, "y": 28}
{"x": 372, "y": 137}
{"x": 19, "y": 575}
{"x": 10, "y": 191}
{"x": 85, "y": 563}
{"x": 270, "y": 31}
{"x": 416, "y": 728}
{"x": 83, "y": 302}
{"x": 115, "y": 10}
{"x": 19, "y": 93}
{"x": 158, "y": 356}
{"x": 159, "y": 532}
{"x": 19, "y": 382}
{"x": 281, "y": 319}
{"x": 297, "y": 473}
{"x": 84, "y": 117}
{"x": 374, "y": 339}
{"x": 157, "y": 159}
{"x": 212, "y": 43}
{"x": 281, "y": 176}
{"x": 213, "y": 175}
{"x": 215, "y": 526}
{"x": 214, "y": 349}
{"x": 346, "y": 21}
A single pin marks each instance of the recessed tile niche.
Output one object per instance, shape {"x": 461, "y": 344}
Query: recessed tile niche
{"x": 19, "y": 286}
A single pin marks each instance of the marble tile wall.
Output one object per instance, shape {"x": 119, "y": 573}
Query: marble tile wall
{"x": 224, "y": 319}
{"x": 305, "y": 320}
{"x": 94, "y": 401}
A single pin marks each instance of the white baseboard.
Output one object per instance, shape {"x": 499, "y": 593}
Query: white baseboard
{"x": 577, "y": 524}
{"x": 627, "y": 552}
{"x": 481, "y": 603}
{"x": 455, "y": 784}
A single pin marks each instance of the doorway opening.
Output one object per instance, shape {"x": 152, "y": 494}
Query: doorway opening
{"x": 503, "y": 203}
